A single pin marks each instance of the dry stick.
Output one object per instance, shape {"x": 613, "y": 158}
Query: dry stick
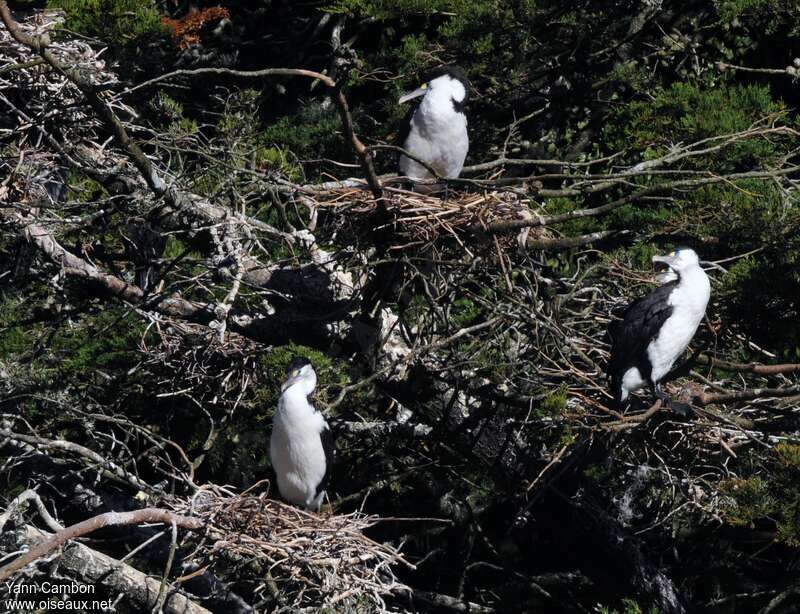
{"x": 706, "y": 398}
{"x": 162, "y": 589}
{"x": 20, "y": 501}
{"x": 578, "y": 241}
{"x": 171, "y": 306}
{"x": 723, "y": 66}
{"x": 632, "y": 421}
{"x": 109, "y": 519}
{"x": 750, "y": 367}
{"x": 74, "y": 266}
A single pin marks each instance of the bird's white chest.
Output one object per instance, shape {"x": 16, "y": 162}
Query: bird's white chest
{"x": 689, "y": 301}
{"x": 438, "y": 135}
{"x": 296, "y": 448}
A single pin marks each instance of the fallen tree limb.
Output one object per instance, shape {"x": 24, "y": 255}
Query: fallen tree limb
{"x": 109, "y": 519}
{"x": 97, "y": 568}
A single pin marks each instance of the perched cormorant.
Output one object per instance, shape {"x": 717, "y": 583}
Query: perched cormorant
{"x": 657, "y": 328}
{"x": 301, "y": 444}
{"x": 436, "y": 131}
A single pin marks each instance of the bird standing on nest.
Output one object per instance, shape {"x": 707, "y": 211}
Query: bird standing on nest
{"x": 301, "y": 443}
{"x": 436, "y": 130}
{"x": 657, "y": 328}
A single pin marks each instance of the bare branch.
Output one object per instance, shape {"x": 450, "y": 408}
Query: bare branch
{"x": 109, "y": 519}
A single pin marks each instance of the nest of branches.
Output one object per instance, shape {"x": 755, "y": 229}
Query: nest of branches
{"x": 296, "y": 557}
{"x": 418, "y": 221}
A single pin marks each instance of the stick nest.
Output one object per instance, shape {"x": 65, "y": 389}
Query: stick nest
{"x": 303, "y": 559}
{"x": 417, "y": 221}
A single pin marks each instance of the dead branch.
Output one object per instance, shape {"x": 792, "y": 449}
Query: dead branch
{"x": 109, "y": 519}
{"x": 791, "y": 71}
{"x": 752, "y": 367}
{"x": 93, "y": 566}
{"x": 21, "y": 501}
{"x": 708, "y": 398}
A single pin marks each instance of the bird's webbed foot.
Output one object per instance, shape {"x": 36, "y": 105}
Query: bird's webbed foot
{"x": 682, "y": 409}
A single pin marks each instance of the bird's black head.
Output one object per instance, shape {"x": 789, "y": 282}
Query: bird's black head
{"x": 445, "y": 81}
{"x": 298, "y": 362}
{"x": 454, "y": 72}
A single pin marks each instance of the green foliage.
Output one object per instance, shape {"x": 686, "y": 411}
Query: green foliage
{"x": 389, "y": 9}
{"x": 122, "y": 22}
{"x": 629, "y": 606}
{"x": 752, "y": 500}
{"x": 106, "y": 340}
{"x": 731, "y": 9}
{"x": 776, "y": 497}
{"x": 14, "y": 338}
{"x": 173, "y": 112}
{"x": 314, "y": 132}
{"x": 774, "y": 277}
{"x": 685, "y": 112}
{"x": 465, "y": 312}
{"x": 554, "y": 404}
{"x": 75, "y": 348}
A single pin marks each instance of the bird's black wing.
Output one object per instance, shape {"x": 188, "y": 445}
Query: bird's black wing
{"x": 639, "y": 326}
{"x": 329, "y": 447}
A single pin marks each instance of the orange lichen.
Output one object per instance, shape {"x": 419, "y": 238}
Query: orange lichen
{"x": 185, "y": 31}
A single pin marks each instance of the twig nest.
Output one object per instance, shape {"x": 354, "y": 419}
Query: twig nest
{"x": 313, "y": 559}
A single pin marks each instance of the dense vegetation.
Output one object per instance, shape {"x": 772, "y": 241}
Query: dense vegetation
{"x": 461, "y": 365}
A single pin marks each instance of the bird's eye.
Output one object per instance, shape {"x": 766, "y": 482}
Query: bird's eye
{"x": 424, "y": 86}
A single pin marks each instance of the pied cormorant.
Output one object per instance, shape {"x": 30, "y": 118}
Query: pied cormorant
{"x": 436, "y": 130}
{"x": 301, "y": 444}
{"x": 657, "y": 328}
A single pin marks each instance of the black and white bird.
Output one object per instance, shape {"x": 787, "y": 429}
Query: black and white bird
{"x": 436, "y": 130}
{"x": 657, "y": 328}
{"x": 301, "y": 445}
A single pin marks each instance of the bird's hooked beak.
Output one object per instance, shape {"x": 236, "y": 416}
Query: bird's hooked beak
{"x": 665, "y": 264}
{"x": 293, "y": 378}
{"x": 667, "y": 261}
{"x": 420, "y": 91}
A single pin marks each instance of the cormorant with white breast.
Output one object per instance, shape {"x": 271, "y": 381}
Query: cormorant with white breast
{"x": 436, "y": 130}
{"x": 657, "y": 328}
{"x": 301, "y": 443}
